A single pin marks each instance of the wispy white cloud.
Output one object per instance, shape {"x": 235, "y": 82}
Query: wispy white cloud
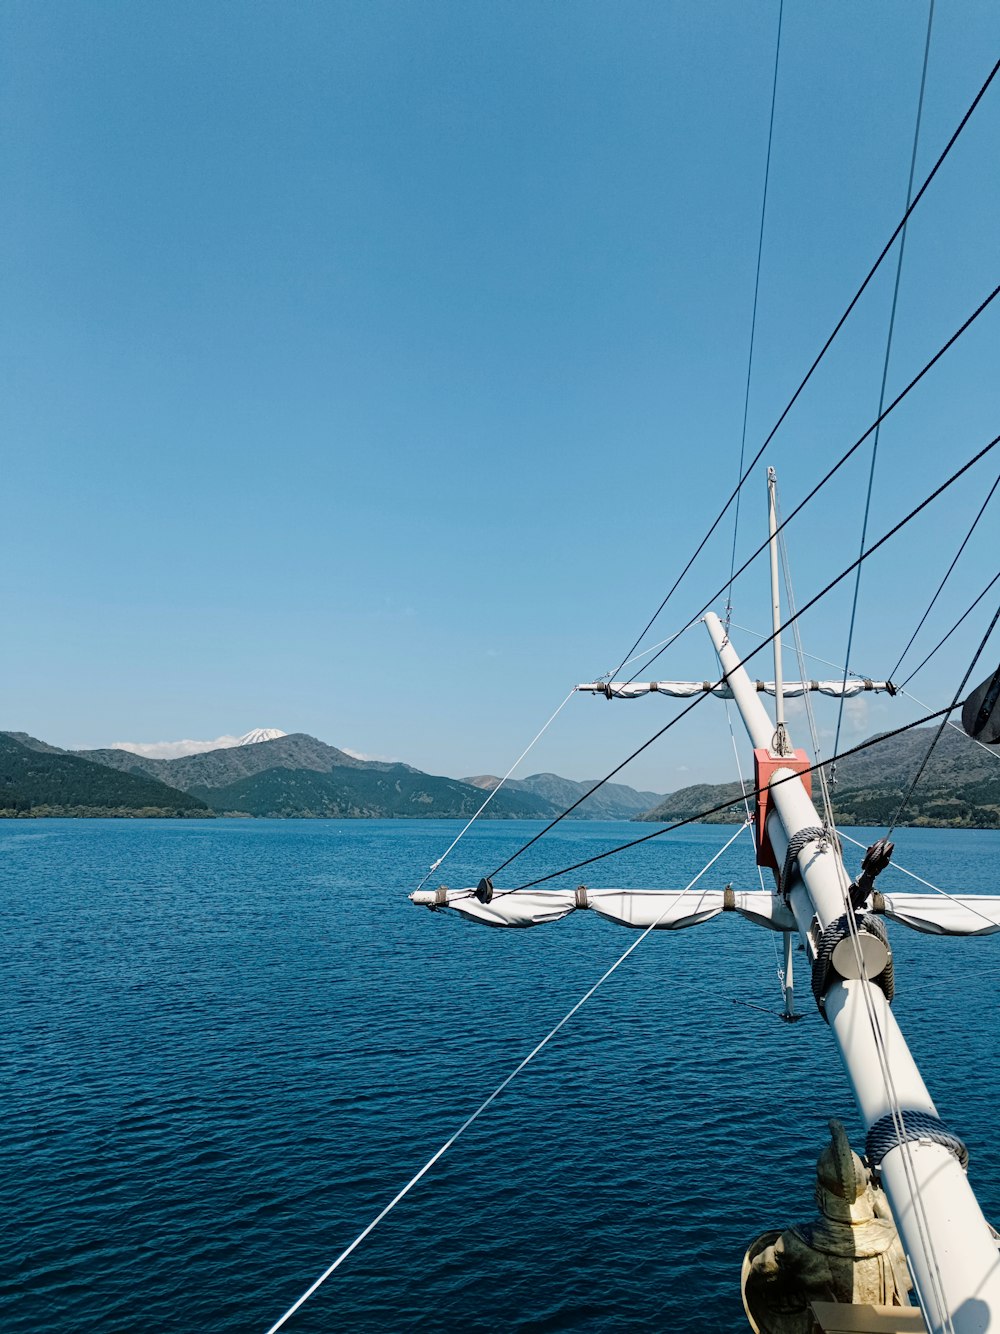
{"x": 362, "y": 755}
{"x": 857, "y": 714}
{"x": 173, "y": 750}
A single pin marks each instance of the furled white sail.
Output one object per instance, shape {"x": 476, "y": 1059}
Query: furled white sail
{"x": 686, "y": 689}
{"x": 522, "y": 909}
{"x": 670, "y": 910}
{"x": 936, "y": 915}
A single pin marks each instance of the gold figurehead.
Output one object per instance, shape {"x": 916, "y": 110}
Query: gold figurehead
{"x": 850, "y": 1254}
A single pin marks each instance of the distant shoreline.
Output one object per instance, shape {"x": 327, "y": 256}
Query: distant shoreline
{"x": 175, "y": 817}
{"x": 297, "y": 776}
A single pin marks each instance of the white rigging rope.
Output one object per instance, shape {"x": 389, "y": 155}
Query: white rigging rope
{"x": 645, "y": 652}
{"x": 458, "y": 837}
{"x": 745, "y": 629}
{"x": 962, "y": 903}
{"x": 862, "y": 676}
{"x": 496, "y": 1092}
{"x": 990, "y": 750}
{"x": 895, "y": 1106}
{"x": 800, "y": 657}
{"x": 782, "y": 981}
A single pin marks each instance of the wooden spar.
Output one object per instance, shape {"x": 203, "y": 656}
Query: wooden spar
{"x": 950, "y": 1250}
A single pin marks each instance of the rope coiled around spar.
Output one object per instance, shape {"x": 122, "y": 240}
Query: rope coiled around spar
{"x": 799, "y": 840}
{"x": 824, "y": 974}
{"x": 884, "y": 1136}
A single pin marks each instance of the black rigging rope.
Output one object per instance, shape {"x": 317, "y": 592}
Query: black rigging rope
{"x": 819, "y": 357}
{"x": 836, "y": 468}
{"x": 733, "y": 801}
{"x": 937, "y": 735}
{"x": 753, "y": 653}
{"x": 940, "y": 587}
{"x": 756, "y": 289}
{"x": 885, "y": 376}
{"x": 941, "y": 642}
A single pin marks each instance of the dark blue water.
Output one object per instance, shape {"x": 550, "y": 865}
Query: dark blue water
{"x": 227, "y": 1045}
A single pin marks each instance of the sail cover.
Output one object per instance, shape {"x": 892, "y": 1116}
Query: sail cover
{"x": 686, "y": 689}
{"x": 670, "y": 910}
{"x": 936, "y": 915}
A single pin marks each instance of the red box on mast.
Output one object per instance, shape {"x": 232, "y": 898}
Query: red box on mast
{"x": 765, "y": 763}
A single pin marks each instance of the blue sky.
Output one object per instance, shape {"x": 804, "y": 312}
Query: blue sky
{"x": 371, "y": 369}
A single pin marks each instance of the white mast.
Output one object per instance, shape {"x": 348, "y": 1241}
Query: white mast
{"x": 780, "y": 743}
{"x": 781, "y": 746}
{"x": 950, "y": 1249}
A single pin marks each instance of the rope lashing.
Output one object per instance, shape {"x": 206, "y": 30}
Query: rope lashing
{"x": 874, "y": 862}
{"x": 824, "y": 973}
{"x": 581, "y": 900}
{"x": 884, "y": 1136}
{"x": 799, "y": 840}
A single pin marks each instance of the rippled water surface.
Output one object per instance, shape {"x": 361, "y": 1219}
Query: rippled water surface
{"x": 227, "y": 1044}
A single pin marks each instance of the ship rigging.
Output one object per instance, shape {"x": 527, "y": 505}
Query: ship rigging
{"x": 914, "y": 1177}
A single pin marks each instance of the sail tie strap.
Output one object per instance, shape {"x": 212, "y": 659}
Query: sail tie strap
{"x": 884, "y": 1136}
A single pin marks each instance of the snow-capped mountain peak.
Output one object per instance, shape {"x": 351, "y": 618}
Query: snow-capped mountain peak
{"x": 173, "y": 750}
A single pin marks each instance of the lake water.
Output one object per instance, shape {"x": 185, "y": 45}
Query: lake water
{"x": 227, "y": 1044}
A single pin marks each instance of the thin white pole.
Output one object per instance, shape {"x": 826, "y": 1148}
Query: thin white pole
{"x": 789, "y": 975}
{"x": 781, "y": 746}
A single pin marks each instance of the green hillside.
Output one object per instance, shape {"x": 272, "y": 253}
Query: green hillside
{"x": 217, "y": 768}
{"x": 390, "y": 791}
{"x": 299, "y": 776}
{"x": 36, "y": 780}
{"x": 960, "y": 787}
{"x": 613, "y": 801}
{"x": 688, "y": 801}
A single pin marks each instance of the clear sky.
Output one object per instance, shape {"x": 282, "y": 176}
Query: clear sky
{"x": 371, "y": 369}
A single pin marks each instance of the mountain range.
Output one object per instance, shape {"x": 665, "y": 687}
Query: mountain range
{"x": 297, "y": 775}
{"x": 959, "y": 788}
{"x": 38, "y": 779}
{"x": 612, "y": 801}
{"x": 279, "y": 776}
